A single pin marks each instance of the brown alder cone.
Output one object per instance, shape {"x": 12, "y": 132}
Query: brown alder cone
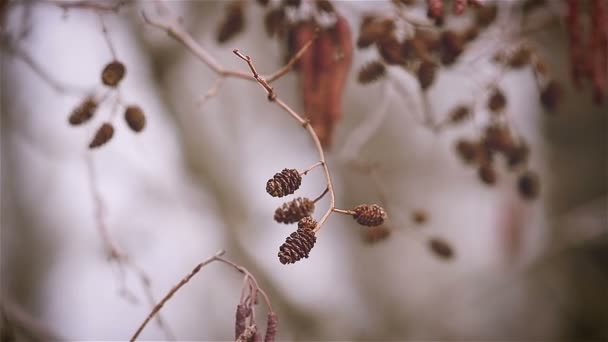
{"x": 113, "y": 73}
{"x": 371, "y": 72}
{"x": 284, "y": 183}
{"x": 459, "y": 114}
{"x": 487, "y": 174}
{"x": 232, "y": 23}
{"x": 297, "y": 246}
{"x": 528, "y": 185}
{"x": 103, "y": 135}
{"x": 441, "y": 248}
{"x": 370, "y": 215}
{"x": 84, "y": 112}
{"x": 293, "y": 211}
{"x": 426, "y": 74}
{"x": 376, "y": 234}
{"x": 135, "y": 118}
{"x": 307, "y": 223}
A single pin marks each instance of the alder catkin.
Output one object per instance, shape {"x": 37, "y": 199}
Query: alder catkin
{"x": 297, "y": 246}
{"x": 103, "y": 135}
{"x": 242, "y": 312}
{"x": 83, "y": 112}
{"x": 293, "y": 211}
{"x": 371, "y": 72}
{"x": 248, "y": 335}
{"x": 135, "y": 118}
{"x": 272, "y": 327}
{"x": 369, "y": 215}
{"x": 284, "y": 183}
{"x": 113, "y": 73}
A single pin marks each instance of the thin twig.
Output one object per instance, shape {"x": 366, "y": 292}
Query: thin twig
{"x": 285, "y": 69}
{"x": 321, "y": 195}
{"x": 343, "y": 211}
{"x": 106, "y": 35}
{"x": 211, "y": 92}
{"x": 311, "y": 167}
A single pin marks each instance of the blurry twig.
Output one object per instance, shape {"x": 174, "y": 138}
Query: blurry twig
{"x": 16, "y": 316}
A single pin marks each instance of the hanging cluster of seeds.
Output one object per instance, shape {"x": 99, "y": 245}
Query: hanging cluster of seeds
{"x": 298, "y": 244}
{"x": 496, "y": 140}
{"x": 111, "y": 76}
{"x": 245, "y": 325}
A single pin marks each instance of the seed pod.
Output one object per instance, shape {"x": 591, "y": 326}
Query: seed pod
{"x": 376, "y": 234}
{"x": 441, "y": 248}
{"x": 84, "y": 112}
{"x": 284, "y": 183}
{"x": 426, "y": 74}
{"x": 233, "y": 22}
{"x": 293, "y": 211}
{"x": 487, "y": 174}
{"x": 420, "y": 216}
{"x": 369, "y": 215}
{"x": 550, "y": 95}
{"x": 528, "y": 185}
{"x": 135, "y": 117}
{"x": 242, "y": 312}
{"x": 103, "y": 135}
{"x": 272, "y": 327}
{"x": 459, "y": 114}
{"x": 497, "y": 100}
{"x": 113, "y": 73}
{"x": 297, "y": 246}
{"x": 371, "y": 72}
{"x": 307, "y": 223}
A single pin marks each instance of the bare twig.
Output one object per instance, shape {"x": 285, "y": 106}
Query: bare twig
{"x": 211, "y": 92}
{"x": 106, "y": 35}
{"x": 311, "y": 167}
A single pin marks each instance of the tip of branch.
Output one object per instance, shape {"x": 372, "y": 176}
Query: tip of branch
{"x": 220, "y": 253}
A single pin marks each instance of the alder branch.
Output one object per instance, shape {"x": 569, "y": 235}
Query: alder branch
{"x": 217, "y": 257}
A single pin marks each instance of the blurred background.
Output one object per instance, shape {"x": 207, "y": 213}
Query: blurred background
{"x": 193, "y": 181}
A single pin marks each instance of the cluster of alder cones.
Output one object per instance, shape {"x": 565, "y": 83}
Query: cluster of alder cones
{"x": 299, "y": 244}
{"x": 134, "y": 116}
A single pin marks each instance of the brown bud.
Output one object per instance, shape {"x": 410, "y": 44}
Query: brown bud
{"x": 284, "y": 183}
{"x": 487, "y": 174}
{"x": 528, "y": 185}
{"x": 369, "y": 215}
{"x": 113, "y": 73}
{"x": 376, "y": 234}
{"x": 426, "y": 74}
{"x": 84, "y": 112}
{"x": 103, "y": 135}
{"x": 441, "y": 248}
{"x": 497, "y": 100}
{"x": 459, "y": 114}
{"x": 135, "y": 117}
{"x": 307, "y": 223}
{"x": 233, "y": 22}
{"x": 293, "y": 211}
{"x": 551, "y": 95}
{"x": 272, "y": 326}
{"x": 297, "y": 246}
{"x": 371, "y": 72}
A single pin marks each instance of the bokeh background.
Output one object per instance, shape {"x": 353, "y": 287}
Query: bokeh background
{"x": 193, "y": 183}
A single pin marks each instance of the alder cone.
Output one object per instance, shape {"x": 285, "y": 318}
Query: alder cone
{"x": 307, "y": 223}
{"x": 102, "y": 136}
{"x": 487, "y": 174}
{"x": 467, "y": 150}
{"x": 113, "y": 73}
{"x": 297, "y": 246}
{"x": 369, "y": 215}
{"x": 84, "y": 112}
{"x": 441, "y": 248}
{"x": 426, "y": 74}
{"x": 528, "y": 185}
{"x": 293, "y": 211}
{"x": 376, "y": 234}
{"x": 371, "y": 72}
{"x": 233, "y": 23}
{"x": 135, "y": 118}
{"x": 497, "y": 101}
{"x": 284, "y": 183}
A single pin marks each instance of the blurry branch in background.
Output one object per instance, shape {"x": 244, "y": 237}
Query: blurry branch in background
{"x": 245, "y": 324}
{"x": 15, "y": 321}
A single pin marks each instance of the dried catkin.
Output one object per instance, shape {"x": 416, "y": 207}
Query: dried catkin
{"x": 135, "y": 118}
{"x": 369, "y": 215}
{"x": 242, "y": 312}
{"x": 284, "y": 183}
{"x": 84, "y": 112}
{"x": 371, "y": 72}
{"x": 297, "y": 246}
{"x": 293, "y": 211}
{"x": 272, "y": 327}
{"x": 113, "y": 73}
{"x": 102, "y": 136}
